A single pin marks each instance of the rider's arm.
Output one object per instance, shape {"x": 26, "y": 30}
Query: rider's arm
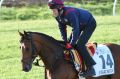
{"x": 73, "y": 19}
{"x": 63, "y": 30}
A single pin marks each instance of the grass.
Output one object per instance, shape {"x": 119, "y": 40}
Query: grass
{"x": 10, "y": 55}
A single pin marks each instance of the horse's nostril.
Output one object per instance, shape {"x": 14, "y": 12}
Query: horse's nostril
{"x": 27, "y": 68}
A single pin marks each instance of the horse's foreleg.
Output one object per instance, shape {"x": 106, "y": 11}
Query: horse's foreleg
{"x": 47, "y": 74}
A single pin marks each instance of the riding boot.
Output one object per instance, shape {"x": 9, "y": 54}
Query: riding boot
{"x": 88, "y": 72}
{"x": 89, "y": 62}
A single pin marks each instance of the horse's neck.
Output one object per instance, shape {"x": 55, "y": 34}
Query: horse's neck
{"x": 50, "y": 53}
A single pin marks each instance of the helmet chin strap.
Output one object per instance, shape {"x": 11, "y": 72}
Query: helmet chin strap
{"x": 60, "y": 11}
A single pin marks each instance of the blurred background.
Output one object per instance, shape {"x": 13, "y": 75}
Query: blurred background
{"x": 34, "y": 15}
{"x": 37, "y": 9}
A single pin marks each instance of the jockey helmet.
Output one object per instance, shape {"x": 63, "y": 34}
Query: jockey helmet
{"x": 55, "y": 4}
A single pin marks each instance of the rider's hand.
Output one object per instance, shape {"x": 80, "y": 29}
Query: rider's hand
{"x": 68, "y": 46}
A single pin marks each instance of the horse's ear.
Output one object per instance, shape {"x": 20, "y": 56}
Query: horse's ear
{"x": 21, "y": 34}
{"x": 25, "y": 33}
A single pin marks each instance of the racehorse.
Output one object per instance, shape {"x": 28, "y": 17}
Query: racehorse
{"x": 35, "y": 44}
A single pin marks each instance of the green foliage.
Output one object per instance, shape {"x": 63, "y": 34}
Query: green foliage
{"x": 118, "y": 8}
{"x": 33, "y": 13}
{"x": 99, "y": 9}
{"x": 95, "y": 8}
{"x": 91, "y": 1}
{"x": 25, "y": 13}
{"x": 37, "y": 12}
{"x": 7, "y": 13}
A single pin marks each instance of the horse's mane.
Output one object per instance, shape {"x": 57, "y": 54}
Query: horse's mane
{"x": 50, "y": 38}
{"x": 57, "y": 43}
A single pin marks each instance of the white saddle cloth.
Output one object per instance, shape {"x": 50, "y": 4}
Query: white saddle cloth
{"x": 104, "y": 61}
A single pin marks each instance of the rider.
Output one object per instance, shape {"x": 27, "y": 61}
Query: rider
{"x": 83, "y": 25}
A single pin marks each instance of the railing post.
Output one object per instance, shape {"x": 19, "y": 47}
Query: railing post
{"x": 114, "y": 7}
{"x": 1, "y": 1}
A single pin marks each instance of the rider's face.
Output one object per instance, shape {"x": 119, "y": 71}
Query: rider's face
{"x": 55, "y": 12}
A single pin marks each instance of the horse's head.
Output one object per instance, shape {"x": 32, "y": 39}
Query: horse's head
{"x": 29, "y": 51}
{"x": 33, "y": 44}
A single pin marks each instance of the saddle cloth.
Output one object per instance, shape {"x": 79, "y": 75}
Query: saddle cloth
{"x": 104, "y": 61}
{"x": 76, "y": 58}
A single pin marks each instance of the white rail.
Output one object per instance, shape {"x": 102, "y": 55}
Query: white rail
{"x": 114, "y": 7}
{"x": 1, "y": 1}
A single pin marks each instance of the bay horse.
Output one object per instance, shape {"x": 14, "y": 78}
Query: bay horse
{"x": 35, "y": 44}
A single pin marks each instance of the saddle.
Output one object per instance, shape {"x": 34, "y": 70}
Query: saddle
{"x": 76, "y": 58}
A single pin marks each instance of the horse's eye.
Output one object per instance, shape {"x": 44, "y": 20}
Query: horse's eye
{"x": 27, "y": 49}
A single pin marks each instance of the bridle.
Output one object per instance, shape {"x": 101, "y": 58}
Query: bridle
{"x": 33, "y": 47}
{"x": 34, "y": 51}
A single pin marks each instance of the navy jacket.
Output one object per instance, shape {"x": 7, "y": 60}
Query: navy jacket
{"x": 78, "y": 19}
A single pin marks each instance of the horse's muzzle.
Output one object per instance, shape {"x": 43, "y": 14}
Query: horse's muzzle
{"x": 27, "y": 68}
